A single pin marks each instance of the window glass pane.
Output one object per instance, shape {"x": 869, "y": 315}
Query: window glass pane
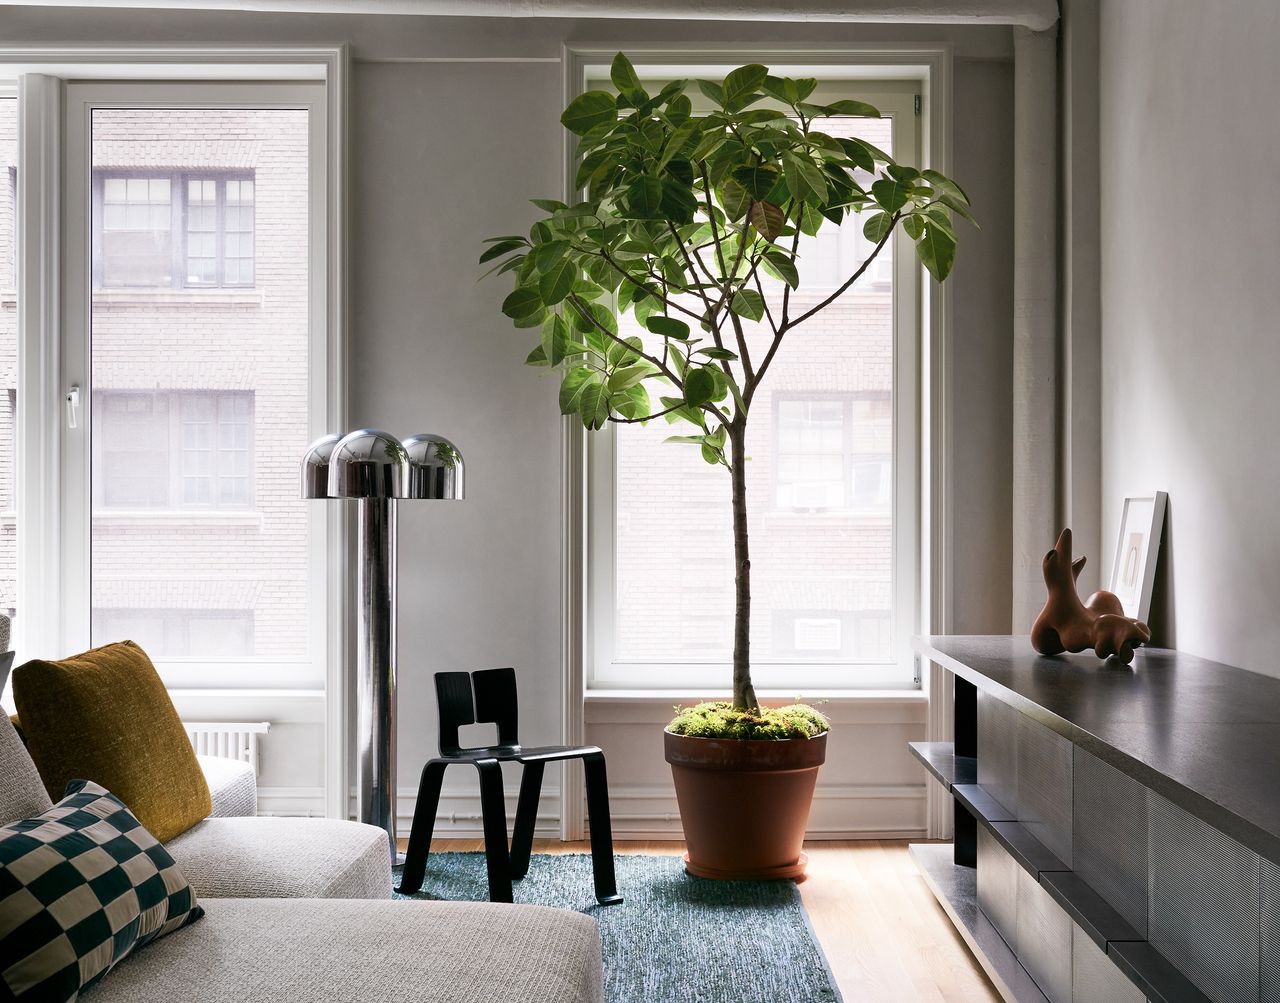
{"x": 8, "y": 355}
{"x": 136, "y": 248}
{"x": 819, "y": 484}
{"x": 212, "y": 561}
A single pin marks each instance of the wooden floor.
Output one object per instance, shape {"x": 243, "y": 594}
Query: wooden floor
{"x": 885, "y": 935}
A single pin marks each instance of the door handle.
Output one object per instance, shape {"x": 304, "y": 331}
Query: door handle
{"x": 73, "y": 406}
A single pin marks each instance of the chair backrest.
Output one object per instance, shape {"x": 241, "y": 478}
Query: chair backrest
{"x": 484, "y": 697}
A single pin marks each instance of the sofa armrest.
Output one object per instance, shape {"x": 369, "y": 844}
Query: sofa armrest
{"x": 233, "y": 786}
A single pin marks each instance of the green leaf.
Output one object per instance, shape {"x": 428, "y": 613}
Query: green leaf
{"x": 629, "y": 376}
{"x": 780, "y": 265}
{"x": 549, "y": 205}
{"x": 914, "y": 226}
{"x": 571, "y": 387}
{"x": 677, "y": 203}
{"x": 499, "y": 249}
{"x": 523, "y": 302}
{"x": 712, "y": 454}
{"x": 635, "y": 403}
{"x": 718, "y": 353}
{"x": 937, "y": 251}
{"x": 668, "y": 327}
{"x": 555, "y": 339}
{"x": 848, "y": 107}
{"x": 582, "y": 317}
{"x": 678, "y": 143}
{"x": 624, "y": 353}
{"x": 588, "y": 110}
{"x": 877, "y": 226}
{"x": 741, "y": 85}
{"x": 712, "y": 90}
{"x": 734, "y": 199}
{"x": 956, "y": 206}
{"x": 623, "y": 74}
{"x": 900, "y": 172}
{"x": 769, "y": 219}
{"x": 757, "y": 180}
{"x": 644, "y": 198}
{"x": 537, "y": 357}
{"x": 593, "y": 405}
{"x": 546, "y": 255}
{"x": 944, "y": 183}
{"x": 557, "y": 282}
{"x": 804, "y": 180}
{"x": 679, "y": 108}
{"x": 859, "y": 154}
{"x": 891, "y": 195}
{"x": 699, "y": 387}
{"x": 747, "y": 303}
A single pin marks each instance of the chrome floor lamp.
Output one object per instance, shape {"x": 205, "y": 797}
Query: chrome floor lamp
{"x": 376, "y": 470}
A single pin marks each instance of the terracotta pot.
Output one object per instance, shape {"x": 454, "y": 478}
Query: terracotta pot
{"x": 744, "y": 805}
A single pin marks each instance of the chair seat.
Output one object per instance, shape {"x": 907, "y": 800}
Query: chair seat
{"x": 521, "y": 753}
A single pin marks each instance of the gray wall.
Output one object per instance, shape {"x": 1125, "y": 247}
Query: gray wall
{"x": 1190, "y": 158}
{"x": 446, "y": 153}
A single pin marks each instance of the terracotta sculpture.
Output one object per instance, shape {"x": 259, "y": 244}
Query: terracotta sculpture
{"x": 1066, "y": 624}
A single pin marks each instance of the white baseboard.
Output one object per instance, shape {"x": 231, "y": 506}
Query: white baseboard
{"x": 840, "y": 811}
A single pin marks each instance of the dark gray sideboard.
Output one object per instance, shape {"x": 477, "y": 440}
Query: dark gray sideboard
{"x": 1117, "y": 828}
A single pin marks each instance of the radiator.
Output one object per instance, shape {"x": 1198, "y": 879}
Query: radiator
{"x": 228, "y": 739}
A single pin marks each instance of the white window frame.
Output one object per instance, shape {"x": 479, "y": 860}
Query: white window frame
{"x": 82, "y": 98}
{"x": 53, "y": 533}
{"x": 895, "y": 97}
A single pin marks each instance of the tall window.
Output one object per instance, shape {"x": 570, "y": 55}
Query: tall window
{"x": 831, "y": 476}
{"x": 173, "y": 450}
{"x": 176, "y": 229}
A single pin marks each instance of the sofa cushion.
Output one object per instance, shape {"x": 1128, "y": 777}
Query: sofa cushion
{"x": 269, "y": 950}
{"x": 105, "y": 716}
{"x": 82, "y": 886}
{"x": 233, "y": 786}
{"x": 285, "y": 858}
{"x": 22, "y": 794}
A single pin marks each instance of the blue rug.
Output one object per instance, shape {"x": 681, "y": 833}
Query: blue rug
{"x": 676, "y": 938}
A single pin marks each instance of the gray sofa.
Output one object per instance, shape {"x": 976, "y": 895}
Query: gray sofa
{"x": 299, "y": 910}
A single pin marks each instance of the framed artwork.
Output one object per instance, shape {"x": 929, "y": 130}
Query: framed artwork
{"x": 1134, "y": 571}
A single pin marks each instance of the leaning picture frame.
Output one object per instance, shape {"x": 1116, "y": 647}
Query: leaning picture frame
{"x": 1133, "y": 571}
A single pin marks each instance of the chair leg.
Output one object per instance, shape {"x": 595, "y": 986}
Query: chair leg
{"x": 424, "y": 824}
{"x": 494, "y": 810}
{"x": 601, "y": 829}
{"x": 526, "y": 818}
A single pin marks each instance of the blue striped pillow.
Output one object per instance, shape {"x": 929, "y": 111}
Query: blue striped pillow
{"x": 82, "y": 886}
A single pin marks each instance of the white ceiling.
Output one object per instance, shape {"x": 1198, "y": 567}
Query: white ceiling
{"x": 1035, "y": 14}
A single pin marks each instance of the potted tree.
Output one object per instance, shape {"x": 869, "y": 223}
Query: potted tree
{"x": 683, "y": 214}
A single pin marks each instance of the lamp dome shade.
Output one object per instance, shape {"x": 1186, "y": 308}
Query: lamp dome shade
{"x": 315, "y": 467}
{"x": 435, "y": 468}
{"x": 368, "y": 463}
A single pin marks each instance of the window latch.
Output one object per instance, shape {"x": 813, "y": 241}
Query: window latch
{"x": 73, "y": 406}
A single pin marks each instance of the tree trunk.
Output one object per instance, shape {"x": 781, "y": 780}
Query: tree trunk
{"x": 744, "y": 694}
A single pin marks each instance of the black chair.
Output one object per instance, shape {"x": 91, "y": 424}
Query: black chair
{"x": 489, "y": 696}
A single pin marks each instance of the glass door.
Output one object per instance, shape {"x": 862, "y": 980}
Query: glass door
{"x": 191, "y": 358}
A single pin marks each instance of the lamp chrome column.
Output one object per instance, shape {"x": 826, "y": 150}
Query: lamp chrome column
{"x": 374, "y": 469}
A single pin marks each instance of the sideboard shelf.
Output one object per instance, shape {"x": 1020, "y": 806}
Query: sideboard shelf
{"x": 1117, "y": 828}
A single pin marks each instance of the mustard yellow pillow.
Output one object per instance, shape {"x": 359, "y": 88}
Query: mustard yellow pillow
{"x": 105, "y": 716}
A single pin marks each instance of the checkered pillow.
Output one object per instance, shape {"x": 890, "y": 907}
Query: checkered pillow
{"x": 81, "y": 887}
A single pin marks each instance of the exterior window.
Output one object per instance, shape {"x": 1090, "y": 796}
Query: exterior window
{"x": 831, "y": 488}
{"x": 174, "y": 450}
{"x": 189, "y": 229}
{"x": 182, "y": 633}
{"x": 835, "y": 453}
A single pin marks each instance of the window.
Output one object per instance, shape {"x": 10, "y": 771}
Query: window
{"x": 181, "y": 633}
{"x": 185, "y": 229}
{"x": 174, "y": 449}
{"x": 831, "y": 487}
{"x": 834, "y": 453}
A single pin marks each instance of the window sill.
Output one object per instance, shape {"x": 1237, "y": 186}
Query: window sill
{"x": 777, "y": 697}
{"x": 170, "y": 517}
{"x": 177, "y": 297}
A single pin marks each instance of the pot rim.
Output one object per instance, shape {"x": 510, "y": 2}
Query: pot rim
{"x": 746, "y": 741}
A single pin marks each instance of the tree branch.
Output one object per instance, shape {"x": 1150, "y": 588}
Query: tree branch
{"x": 648, "y": 417}
{"x": 662, "y": 368}
{"x": 884, "y": 239}
{"x": 636, "y": 282}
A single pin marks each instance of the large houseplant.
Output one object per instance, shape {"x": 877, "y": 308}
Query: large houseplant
{"x": 682, "y": 215}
